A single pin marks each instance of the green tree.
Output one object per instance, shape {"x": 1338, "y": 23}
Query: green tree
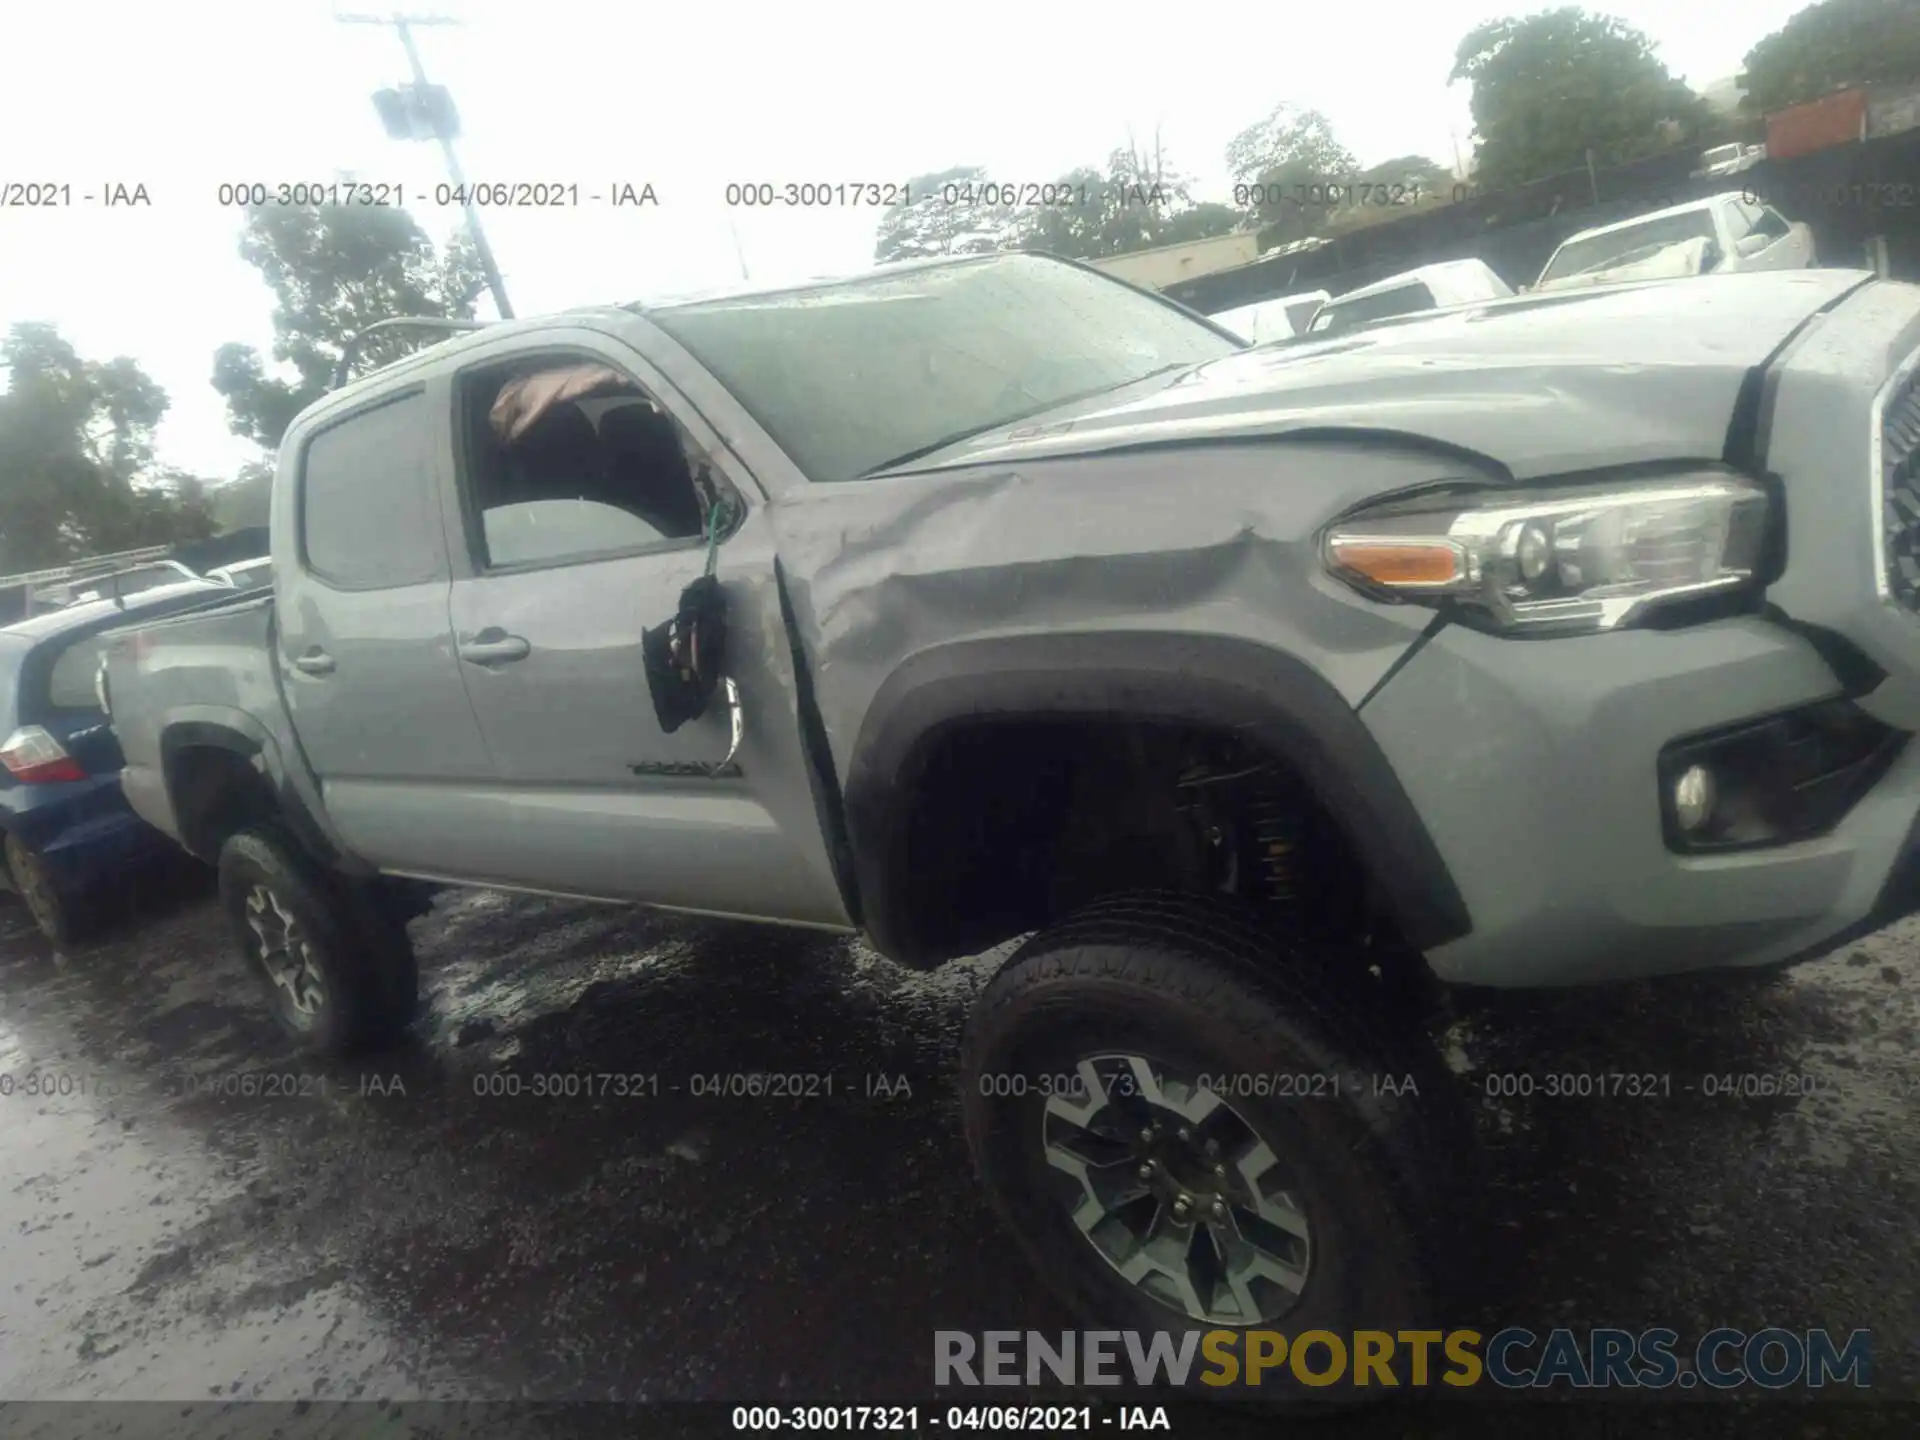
{"x": 1549, "y": 87}
{"x": 1137, "y": 202}
{"x": 931, "y": 226}
{"x": 1415, "y": 172}
{"x": 1832, "y": 46}
{"x": 333, "y": 271}
{"x": 1280, "y": 163}
{"x": 244, "y": 501}
{"x": 78, "y": 474}
{"x": 1200, "y": 222}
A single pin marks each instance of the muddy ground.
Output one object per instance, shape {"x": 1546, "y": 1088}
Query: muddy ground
{"x": 399, "y": 1230}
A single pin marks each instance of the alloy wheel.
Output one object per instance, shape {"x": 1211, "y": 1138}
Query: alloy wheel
{"x": 1178, "y": 1192}
{"x": 283, "y": 952}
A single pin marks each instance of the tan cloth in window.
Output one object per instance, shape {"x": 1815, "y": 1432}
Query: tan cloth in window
{"x": 524, "y": 400}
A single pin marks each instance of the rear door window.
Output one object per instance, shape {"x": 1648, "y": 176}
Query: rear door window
{"x": 369, "y": 514}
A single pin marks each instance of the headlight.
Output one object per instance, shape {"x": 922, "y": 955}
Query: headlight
{"x": 1573, "y": 559}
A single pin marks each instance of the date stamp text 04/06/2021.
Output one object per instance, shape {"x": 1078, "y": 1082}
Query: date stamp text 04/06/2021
{"x": 45, "y": 1084}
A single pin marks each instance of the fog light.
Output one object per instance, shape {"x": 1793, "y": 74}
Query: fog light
{"x": 1771, "y": 781}
{"x": 1693, "y": 797}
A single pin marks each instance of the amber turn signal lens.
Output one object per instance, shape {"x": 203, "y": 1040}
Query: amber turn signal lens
{"x": 1406, "y": 562}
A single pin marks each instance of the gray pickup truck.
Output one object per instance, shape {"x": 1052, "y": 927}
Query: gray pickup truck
{"x": 1537, "y": 642}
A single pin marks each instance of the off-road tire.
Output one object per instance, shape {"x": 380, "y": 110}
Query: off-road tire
{"x": 365, "y": 963}
{"x": 1216, "y": 985}
{"x": 62, "y": 915}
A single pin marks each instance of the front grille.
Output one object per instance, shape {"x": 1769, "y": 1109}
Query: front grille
{"x": 1899, "y": 442}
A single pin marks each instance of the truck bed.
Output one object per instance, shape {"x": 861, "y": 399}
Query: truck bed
{"x": 169, "y": 670}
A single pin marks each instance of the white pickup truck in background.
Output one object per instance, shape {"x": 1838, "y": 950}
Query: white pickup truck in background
{"x": 1724, "y": 234}
{"x": 1431, "y": 287}
{"x": 1265, "y": 321}
{"x": 1729, "y": 159}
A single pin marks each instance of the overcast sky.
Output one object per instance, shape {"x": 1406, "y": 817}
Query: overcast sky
{"x": 185, "y": 95}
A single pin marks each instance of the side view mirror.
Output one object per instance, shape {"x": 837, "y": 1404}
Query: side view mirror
{"x": 1752, "y": 244}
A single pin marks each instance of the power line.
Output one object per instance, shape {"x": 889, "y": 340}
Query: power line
{"x": 441, "y": 122}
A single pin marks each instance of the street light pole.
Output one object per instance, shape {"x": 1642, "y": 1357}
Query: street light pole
{"x": 402, "y": 25}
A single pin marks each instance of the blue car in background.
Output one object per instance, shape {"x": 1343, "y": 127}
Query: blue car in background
{"x": 70, "y": 838}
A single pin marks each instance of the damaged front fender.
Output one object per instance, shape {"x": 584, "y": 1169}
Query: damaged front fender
{"x": 1173, "y": 584}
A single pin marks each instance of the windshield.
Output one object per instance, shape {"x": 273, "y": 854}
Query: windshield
{"x": 1597, "y": 252}
{"x": 1341, "y": 315}
{"x": 852, "y": 377}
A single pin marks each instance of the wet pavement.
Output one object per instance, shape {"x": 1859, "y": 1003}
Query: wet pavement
{"x": 189, "y": 1213}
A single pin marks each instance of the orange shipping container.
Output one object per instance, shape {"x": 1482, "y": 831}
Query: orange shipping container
{"x": 1821, "y": 124}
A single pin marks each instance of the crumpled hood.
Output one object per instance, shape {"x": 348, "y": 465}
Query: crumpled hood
{"x": 1539, "y": 384}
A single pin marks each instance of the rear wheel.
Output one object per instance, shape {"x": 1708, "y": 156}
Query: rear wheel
{"x": 339, "y": 969}
{"x": 1192, "y": 1122}
{"x": 59, "y": 912}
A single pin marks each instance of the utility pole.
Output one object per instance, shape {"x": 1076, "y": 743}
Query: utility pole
{"x": 423, "y": 111}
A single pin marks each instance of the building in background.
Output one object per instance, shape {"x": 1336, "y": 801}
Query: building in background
{"x": 1836, "y": 119}
{"x": 1166, "y": 265}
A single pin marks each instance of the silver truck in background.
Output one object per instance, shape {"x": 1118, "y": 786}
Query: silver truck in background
{"x": 1725, "y": 234}
{"x": 1431, "y": 287}
{"x": 1537, "y": 641}
{"x": 1266, "y": 321}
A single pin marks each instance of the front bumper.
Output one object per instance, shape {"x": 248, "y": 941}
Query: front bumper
{"x": 1534, "y": 763}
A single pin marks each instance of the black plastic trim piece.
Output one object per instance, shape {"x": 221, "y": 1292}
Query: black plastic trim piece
{"x": 1269, "y": 698}
{"x": 215, "y": 735}
{"x": 1858, "y": 673}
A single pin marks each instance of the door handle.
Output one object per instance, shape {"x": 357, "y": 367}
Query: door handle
{"x": 314, "y": 662}
{"x": 494, "y": 647}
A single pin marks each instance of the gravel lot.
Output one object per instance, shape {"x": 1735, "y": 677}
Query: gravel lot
{"x": 397, "y": 1230}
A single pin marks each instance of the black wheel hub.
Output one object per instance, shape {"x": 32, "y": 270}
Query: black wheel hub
{"x": 1177, "y": 1191}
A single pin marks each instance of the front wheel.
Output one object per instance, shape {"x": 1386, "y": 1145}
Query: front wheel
{"x": 1191, "y": 1122}
{"x": 340, "y": 973}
